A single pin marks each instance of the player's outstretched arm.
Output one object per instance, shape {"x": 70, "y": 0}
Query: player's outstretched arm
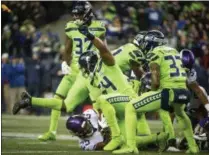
{"x": 68, "y": 50}
{"x": 155, "y": 75}
{"x": 200, "y": 94}
{"x": 104, "y": 52}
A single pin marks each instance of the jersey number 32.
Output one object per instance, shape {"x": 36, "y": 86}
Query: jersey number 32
{"x": 80, "y": 44}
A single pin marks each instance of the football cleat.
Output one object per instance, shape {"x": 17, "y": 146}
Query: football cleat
{"x": 162, "y": 141}
{"x": 193, "y": 150}
{"x": 48, "y": 136}
{"x": 126, "y": 150}
{"x": 24, "y": 102}
{"x": 172, "y": 145}
{"x": 114, "y": 143}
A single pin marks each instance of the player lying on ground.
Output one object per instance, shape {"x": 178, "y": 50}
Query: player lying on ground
{"x": 75, "y": 45}
{"x": 93, "y": 134}
{"x": 168, "y": 89}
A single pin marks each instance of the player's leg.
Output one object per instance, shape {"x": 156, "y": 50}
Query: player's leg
{"x": 149, "y": 101}
{"x": 157, "y": 138}
{"x": 76, "y": 95}
{"x": 121, "y": 124}
{"x": 56, "y": 103}
{"x": 141, "y": 119}
{"x": 167, "y": 123}
{"x": 60, "y": 94}
{"x": 142, "y": 125}
{"x": 185, "y": 124}
{"x": 113, "y": 106}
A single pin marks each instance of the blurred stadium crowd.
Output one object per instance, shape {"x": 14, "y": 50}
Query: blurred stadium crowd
{"x": 31, "y": 59}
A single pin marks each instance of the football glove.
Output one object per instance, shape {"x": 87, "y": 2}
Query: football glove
{"x": 65, "y": 68}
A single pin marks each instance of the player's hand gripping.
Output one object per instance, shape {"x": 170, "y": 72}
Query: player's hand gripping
{"x": 83, "y": 29}
{"x": 65, "y": 68}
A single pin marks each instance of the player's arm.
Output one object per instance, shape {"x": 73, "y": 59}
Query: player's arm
{"x": 99, "y": 146}
{"x": 154, "y": 61}
{"x": 200, "y": 94}
{"x": 68, "y": 50}
{"x": 155, "y": 75}
{"x": 102, "y": 37}
{"x": 104, "y": 52}
{"x": 107, "y": 137}
{"x": 136, "y": 69}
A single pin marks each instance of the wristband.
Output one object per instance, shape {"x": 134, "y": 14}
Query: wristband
{"x": 90, "y": 36}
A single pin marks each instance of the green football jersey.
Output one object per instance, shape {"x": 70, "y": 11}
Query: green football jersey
{"x": 127, "y": 53}
{"x": 110, "y": 79}
{"x": 81, "y": 43}
{"x": 172, "y": 74}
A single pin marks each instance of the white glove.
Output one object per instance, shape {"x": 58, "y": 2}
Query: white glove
{"x": 65, "y": 68}
{"x": 102, "y": 121}
{"x": 207, "y": 108}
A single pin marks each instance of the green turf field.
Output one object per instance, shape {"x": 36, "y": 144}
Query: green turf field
{"x": 19, "y": 136}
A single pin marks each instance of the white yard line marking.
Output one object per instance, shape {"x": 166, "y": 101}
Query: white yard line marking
{"x": 34, "y": 136}
{"x": 24, "y": 117}
{"x": 35, "y": 151}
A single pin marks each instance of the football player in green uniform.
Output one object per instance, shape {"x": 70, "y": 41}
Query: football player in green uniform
{"x": 76, "y": 43}
{"x": 130, "y": 57}
{"x": 168, "y": 89}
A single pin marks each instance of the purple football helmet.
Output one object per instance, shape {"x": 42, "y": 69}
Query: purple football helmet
{"x": 187, "y": 58}
{"x": 79, "y": 126}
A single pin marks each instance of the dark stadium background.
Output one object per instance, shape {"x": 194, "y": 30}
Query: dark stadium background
{"x": 33, "y": 39}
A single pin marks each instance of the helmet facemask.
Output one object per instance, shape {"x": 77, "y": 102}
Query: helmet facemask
{"x": 85, "y": 131}
{"x": 138, "y": 39}
{"x": 80, "y": 126}
{"x": 88, "y": 63}
{"x": 82, "y": 13}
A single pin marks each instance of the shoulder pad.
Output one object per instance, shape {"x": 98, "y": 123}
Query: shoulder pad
{"x": 152, "y": 56}
{"x": 98, "y": 23}
{"x": 70, "y": 24}
{"x": 137, "y": 56}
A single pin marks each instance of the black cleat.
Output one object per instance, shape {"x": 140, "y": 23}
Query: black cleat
{"x": 24, "y": 102}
